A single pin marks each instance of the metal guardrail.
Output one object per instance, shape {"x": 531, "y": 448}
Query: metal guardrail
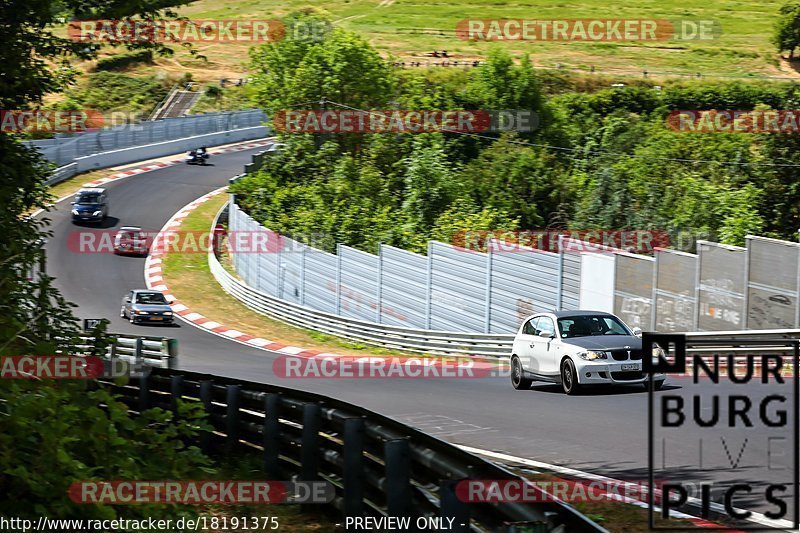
{"x": 62, "y": 173}
{"x": 431, "y": 341}
{"x": 65, "y": 148}
{"x": 741, "y": 342}
{"x": 377, "y": 466}
{"x": 158, "y": 352}
{"x": 395, "y": 337}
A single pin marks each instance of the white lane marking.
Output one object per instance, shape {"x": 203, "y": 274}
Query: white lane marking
{"x": 755, "y": 517}
{"x": 292, "y": 350}
{"x": 258, "y": 341}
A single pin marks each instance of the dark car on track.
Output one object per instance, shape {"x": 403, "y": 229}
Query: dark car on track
{"x": 90, "y": 205}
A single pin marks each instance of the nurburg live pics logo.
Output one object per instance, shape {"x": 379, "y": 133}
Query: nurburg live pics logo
{"x": 725, "y": 439}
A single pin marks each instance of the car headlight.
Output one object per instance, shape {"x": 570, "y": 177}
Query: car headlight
{"x": 168, "y": 313}
{"x": 96, "y": 213}
{"x": 142, "y": 312}
{"x": 75, "y": 212}
{"x": 591, "y": 355}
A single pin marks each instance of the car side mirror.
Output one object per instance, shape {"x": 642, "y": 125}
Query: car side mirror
{"x": 170, "y": 302}
{"x": 72, "y": 203}
{"x": 637, "y": 331}
{"x": 546, "y": 334}
{"x": 127, "y": 300}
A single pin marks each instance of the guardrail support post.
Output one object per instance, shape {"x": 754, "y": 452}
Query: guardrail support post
{"x": 232, "y": 416}
{"x": 487, "y": 310}
{"x": 272, "y": 436}
{"x": 206, "y": 388}
{"x": 338, "y": 279}
{"x": 303, "y": 275}
{"x": 137, "y": 353}
{"x": 560, "y": 282}
{"x": 354, "y": 467}
{"x": 451, "y": 507}
{"x": 429, "y": 287}
{"x": 398, "y": 477}
{"x": 176, "y": 391}
{"x": 309, "y": 451}
{"x": 379, "y": 286}
{"x": 144, "y": 393}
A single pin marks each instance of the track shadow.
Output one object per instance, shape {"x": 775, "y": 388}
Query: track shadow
{"x": 108, "y": 222}
{"x": 601, "y": 390}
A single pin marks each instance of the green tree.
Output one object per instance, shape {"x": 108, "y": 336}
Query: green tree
{"x": 338, "y": 65}
{"x": 52, "y": 434}
{"x": 786, "y": 35}
{"x": 430, "y": 185}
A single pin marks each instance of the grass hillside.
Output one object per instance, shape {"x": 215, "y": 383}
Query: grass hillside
{"x": 742, "y": 49}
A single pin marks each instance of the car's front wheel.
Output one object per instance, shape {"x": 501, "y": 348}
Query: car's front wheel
{"x": 518, "y": 379}
{"x": 569, "y": 377}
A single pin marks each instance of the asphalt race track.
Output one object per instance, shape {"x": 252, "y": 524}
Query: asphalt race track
{"x": 603, "y": 431}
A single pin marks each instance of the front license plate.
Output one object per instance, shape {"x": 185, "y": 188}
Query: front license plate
{"x": 156, "y": 318}
{"x": 630, "y": 367}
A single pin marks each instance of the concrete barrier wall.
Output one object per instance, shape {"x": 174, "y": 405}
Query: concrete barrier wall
{"x": 151, "y": 151}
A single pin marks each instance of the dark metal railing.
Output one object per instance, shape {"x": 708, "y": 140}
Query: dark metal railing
{"x": 378, "y": 466}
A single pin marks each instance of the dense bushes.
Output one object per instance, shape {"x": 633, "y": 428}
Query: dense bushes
{"x": 120, "y": 61}
{"x": 112, "y": 91}
{"x": 601, "y": 159}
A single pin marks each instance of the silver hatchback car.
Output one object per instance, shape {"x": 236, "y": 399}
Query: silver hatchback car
{"x": 142, "y": 305}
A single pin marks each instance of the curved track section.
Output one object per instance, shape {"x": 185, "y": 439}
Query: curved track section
{"x": 604, "y": 432}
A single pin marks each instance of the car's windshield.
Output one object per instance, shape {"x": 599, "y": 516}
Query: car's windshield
{"x": 88, "y": 199}
{"x": 589, "y": 325}
{"x": 150, "y": 298}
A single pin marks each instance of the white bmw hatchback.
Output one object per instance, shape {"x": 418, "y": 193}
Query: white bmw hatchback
{"x": 576, "y": 348}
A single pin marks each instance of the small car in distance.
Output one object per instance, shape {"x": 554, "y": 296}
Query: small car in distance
{"x": 142, "y": 305}
{"x": 577, "y": 348}
{"x": 90, "y": 205}
{"x": 131, "y": 240}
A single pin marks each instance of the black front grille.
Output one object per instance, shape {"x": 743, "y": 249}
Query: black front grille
{"x": 627, "y": 376}
{"x": 624, "y": 355}
{"x": 619, "y": 355}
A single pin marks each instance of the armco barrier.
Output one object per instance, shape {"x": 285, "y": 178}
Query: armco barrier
{"x": 395, "y": 337}
{"x": 150, "y": 151}
{"x": 119, "y": 145}
{"x": 158, "y": 352}
{"x": 432, "y": 341}
{"x": 377, "y": 466}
